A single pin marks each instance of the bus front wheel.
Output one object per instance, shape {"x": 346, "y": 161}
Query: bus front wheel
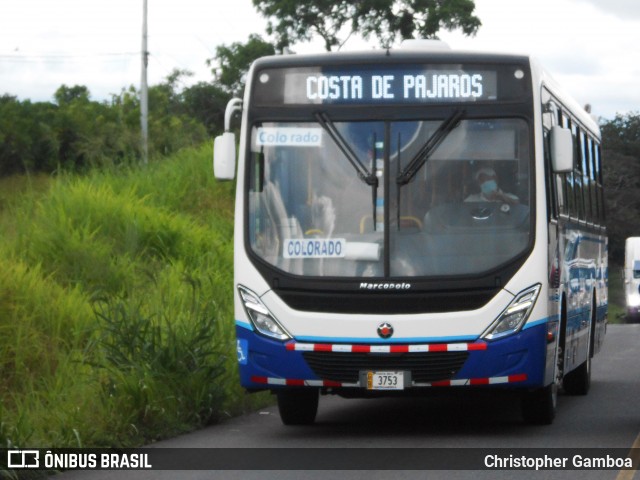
{"x": 539, "y": 406}
{"x": 298, "y": 407}
{"x": 578, "y": 381}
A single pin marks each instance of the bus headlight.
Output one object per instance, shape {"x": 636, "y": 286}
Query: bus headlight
{"x": 263, "y": 321}
{"x": 515, "y": 315}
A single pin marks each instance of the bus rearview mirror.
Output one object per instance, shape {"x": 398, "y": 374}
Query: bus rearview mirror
{"x": 224, "y": 156}
{"x": 561, "y": 149}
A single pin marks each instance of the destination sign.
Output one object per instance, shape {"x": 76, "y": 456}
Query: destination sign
{"x": 395, "y": 84}
{"x": 447, "y": 86}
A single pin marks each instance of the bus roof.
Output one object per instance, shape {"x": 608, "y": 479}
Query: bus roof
{"x": 438, "y": 52}
{"x": 547, "y": 80}
{"x": 391, "y": 56}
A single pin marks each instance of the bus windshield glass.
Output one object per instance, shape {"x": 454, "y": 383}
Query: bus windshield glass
{"x": 321, "y": 209}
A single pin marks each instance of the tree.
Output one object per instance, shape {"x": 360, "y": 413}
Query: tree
{"x": 167, "y": 95}
{"x": 233, "y": 62}
{"x": 170, "y": 127}
{"x": 66, "y": 94}
{"x": 76, "y": 133}
{"x": 293, "y": 21}
{"x": 622, "y": 134}
{"x": 27, "y": 140}
{"x": 206, "y": 102}
{"x": 621, "y": 169}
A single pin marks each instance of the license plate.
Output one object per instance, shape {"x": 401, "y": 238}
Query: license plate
{"x": 385, "y": 380}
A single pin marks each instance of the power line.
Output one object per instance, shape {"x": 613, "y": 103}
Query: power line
{"x": 66, "y": 55}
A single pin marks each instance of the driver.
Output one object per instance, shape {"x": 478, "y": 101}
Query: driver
{"x": 487, "y": 181}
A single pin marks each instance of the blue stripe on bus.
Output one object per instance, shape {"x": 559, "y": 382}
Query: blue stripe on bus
{"x": 466, "y": 338}
{"x": 240, "y": 324}
{"x": 453, "y": 339}
{"x": 460, "y": 338}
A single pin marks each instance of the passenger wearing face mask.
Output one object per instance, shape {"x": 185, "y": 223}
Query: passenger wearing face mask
{"x": 489, "y": 190}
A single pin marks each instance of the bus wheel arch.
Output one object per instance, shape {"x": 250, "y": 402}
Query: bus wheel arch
{"x": 539, "y": 406}
{"x": 562, "y": 339}
{"x": 578, "y": 381}
{"x": 594, "y": 325}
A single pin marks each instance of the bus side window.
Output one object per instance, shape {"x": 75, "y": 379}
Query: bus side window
{"x": 550, "y": 179}
{"x": 552, "y": 115}
{"x": 586, "y": 184}
{"x": 598, "y": 177}
{"x": 577, "y": 174}
{"x": 593, "y": 193}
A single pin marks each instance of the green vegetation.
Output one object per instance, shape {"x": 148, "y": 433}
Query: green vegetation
{"x": 621, "y": 172}
{"x": 621, "y": 158}
{"x": 76, "y": 134}
{"x": 116, "y": 315}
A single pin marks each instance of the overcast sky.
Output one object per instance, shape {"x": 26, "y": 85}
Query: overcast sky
{"x": 591, "y": 46}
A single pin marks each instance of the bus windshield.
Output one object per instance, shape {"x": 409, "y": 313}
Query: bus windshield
{"x": 318, "y": 208}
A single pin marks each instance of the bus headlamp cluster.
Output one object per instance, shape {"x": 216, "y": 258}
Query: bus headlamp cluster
{"x": 263, "y": 321}
{"x": 515, "y": 315}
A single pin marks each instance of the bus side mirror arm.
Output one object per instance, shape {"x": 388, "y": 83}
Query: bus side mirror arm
{"x": 561, "y": 143}
{"x": 224, "y": 146}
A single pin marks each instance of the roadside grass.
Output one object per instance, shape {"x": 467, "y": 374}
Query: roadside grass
{"x": 116, "y": 312}
{"x": 12, "y": 190}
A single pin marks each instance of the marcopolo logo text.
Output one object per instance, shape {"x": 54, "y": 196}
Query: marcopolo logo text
{"x": 385, "y": 286}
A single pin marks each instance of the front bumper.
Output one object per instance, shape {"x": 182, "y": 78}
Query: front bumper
{"x": 515, "y": 361}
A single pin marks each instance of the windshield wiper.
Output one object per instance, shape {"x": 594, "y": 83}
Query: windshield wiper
{"x": 325, "y": 122}
{"x": 416, "y": 163}
{"x": 370, "y": 178}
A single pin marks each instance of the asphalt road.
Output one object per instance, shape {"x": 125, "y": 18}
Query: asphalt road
{"x": 608, "y": 417}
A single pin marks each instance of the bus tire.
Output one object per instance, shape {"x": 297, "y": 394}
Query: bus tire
{"x": 539, "y": 406}
{"x": 578, "y": 381}
{"x": 298, "y": 407}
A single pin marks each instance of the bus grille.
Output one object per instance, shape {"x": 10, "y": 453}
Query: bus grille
{"x": 424, "y": 367}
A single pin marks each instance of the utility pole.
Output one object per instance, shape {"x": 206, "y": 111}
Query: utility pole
{"x": 144, "y": 93}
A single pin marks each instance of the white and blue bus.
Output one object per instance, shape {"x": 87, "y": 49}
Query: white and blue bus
{"x": 414, "y": 219}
